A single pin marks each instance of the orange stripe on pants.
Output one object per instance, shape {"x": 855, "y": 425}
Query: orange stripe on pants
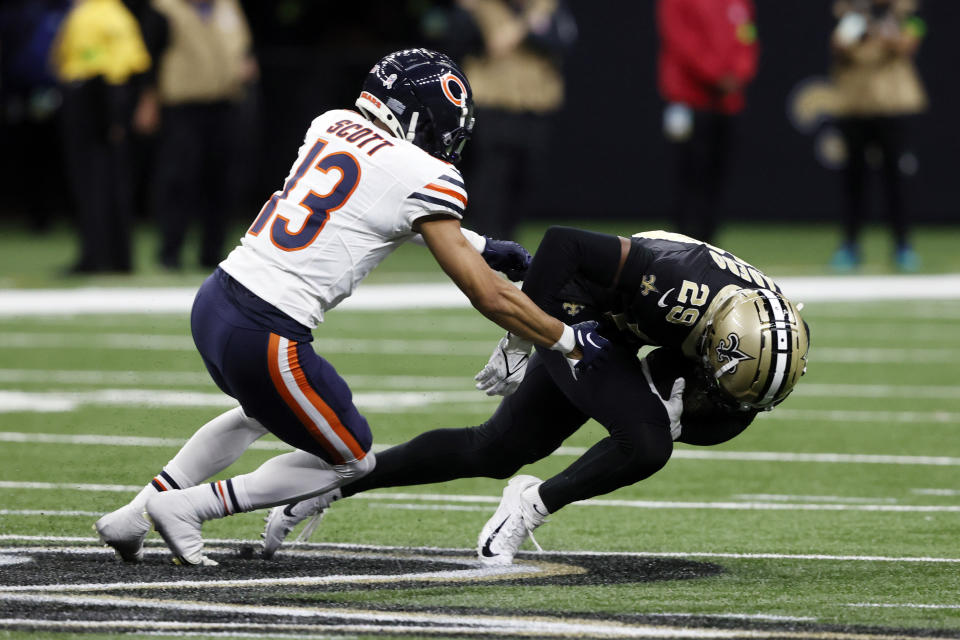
{"x": 273, "y": 362}
{"x": 328, "y": 414}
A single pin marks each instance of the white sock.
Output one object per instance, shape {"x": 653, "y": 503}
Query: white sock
{"x": 294, "y": 476}
{"x": 215, "y": 446}
{"x": 212, "y": 500}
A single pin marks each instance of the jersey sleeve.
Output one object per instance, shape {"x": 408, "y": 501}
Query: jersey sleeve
{"x": 446, "y": 195}
{"x": 566, "y": 255}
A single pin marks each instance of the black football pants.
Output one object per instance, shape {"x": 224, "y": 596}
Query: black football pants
{"x": 530, "y": 424}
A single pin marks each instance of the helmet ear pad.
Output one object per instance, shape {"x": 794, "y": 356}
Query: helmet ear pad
{"x": 755, "y": 347}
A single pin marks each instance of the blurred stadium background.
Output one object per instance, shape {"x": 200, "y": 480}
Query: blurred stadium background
{"x": 607, "y": 159}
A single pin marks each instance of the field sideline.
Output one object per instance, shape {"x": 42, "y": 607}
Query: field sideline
{"x": 836, "y": 516}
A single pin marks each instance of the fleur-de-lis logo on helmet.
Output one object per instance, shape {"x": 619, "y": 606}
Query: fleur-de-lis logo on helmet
{"x": 730, "y": 352}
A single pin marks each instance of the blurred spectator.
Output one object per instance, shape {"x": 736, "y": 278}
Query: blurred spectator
{"x": 29, "y": 101}
{"x": 98, "y": 49}
{"x": 708, "y": 55}
{"x": 204, "y": 69}
{"x": 518, "y": 89}
{"x": 877, "y": 88}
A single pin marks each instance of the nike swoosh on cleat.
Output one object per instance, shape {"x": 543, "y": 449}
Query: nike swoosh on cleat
{"x": 660, "y": 302}
{"x": 485, "y": 551}
{"x": 288, "y": 510}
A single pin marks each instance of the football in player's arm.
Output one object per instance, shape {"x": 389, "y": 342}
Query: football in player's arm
{"x": 363, "y": 183}
{"x": 729, "y": 344}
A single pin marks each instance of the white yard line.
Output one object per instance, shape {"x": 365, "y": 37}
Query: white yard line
{"x": 430, "y": 383}
{"x": 71, "y": 486}
{"x": 846, "y": 415}
{"x": 776, "y": 497}
{"x": 43, "y": 512}
{"x": 190, "y": 378}
{"x": 680, "y": 453}
{"x": 882, "y": 355}
{"x": 936, "y": 492}
{"x": 417, "y": 347}
{"x": 453, "y": 502}
{"x": 380, "y": 624}
{"x": 370, "y": 297}
{"x": 61, "y": 401}
{"x": 321, "y": 546}
{"x": 814, "y": 390}
{"x": 719, "y": 506}
{"x": 902, "y": 605}
{"x": 175, "y": 343}
{"x": 393, "y": 401}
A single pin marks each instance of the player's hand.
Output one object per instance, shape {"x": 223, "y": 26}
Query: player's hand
{"x": 506, "y": 256}
{"x": 673, "y": 404}
{"x": 508, "y": 363}
{"x": 593, "y": 347}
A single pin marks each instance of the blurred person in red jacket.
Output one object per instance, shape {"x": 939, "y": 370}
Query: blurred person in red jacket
{"x": 708, "y": 55}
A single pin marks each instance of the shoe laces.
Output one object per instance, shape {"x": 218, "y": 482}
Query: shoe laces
{"x": 323, "y": 502}
{"x": 522, "y": 529}
{"x": 310, "y": 527}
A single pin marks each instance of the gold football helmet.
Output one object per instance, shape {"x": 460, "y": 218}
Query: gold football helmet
{"x": 755, "y": 347}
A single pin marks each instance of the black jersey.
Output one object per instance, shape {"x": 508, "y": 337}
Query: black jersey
{"x": 661, "y": 295}
{"x": 668, "y": 285}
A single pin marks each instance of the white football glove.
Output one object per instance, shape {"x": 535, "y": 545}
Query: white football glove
{"x": 508, "y": 362}
{"x": 674, "y": 404}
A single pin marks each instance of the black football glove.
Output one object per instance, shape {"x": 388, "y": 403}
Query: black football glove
{"x": 592, "y": 345}
{"x": 506, "y": 256}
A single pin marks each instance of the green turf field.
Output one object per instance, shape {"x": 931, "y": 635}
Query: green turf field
{"x": 838, "y": 513}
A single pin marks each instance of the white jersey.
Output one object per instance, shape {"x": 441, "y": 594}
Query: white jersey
{"x": 350, "y": 199}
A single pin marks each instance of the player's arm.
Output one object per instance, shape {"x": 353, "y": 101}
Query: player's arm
{"x": 505, "y": 256}
{"x": 565, "y": 253}
{"x": 494, "y": 297}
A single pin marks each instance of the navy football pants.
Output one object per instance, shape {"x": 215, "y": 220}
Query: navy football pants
{"x": 280, "y": 382}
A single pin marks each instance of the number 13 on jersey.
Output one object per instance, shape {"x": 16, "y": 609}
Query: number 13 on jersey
{"x": 318, "y": 206}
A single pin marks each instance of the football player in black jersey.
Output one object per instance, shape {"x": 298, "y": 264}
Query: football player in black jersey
{"x": 729, "y": 344}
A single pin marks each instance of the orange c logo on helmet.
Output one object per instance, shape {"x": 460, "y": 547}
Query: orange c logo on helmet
{"x": 445, "y": 82}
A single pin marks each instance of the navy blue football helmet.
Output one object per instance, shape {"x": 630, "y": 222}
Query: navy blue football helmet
{"x": 421, "y": 96}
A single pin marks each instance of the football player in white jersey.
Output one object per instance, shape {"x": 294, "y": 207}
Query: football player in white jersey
{"x": 364, "y": 182}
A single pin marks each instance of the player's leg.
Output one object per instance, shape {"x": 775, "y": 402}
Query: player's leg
{"x": 527, "y": 426}
{"x": 617, "y": 396}
{"x": 214, "y": 447}
{"x": 302, "y": 400}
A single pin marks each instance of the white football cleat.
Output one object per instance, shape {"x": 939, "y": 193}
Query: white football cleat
{"x": 176, "y": 520}
{"x": 282, "y": 519}
{"x": 124, "y": 530}
{"x": 511, "y": 524}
